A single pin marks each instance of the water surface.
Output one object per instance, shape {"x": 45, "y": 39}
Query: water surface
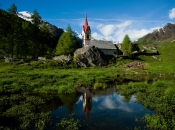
{"x": 102, "y": 110}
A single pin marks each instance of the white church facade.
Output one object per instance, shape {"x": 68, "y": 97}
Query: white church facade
{"x": 107, "y": 47}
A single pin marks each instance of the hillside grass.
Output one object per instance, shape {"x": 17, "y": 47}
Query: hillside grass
{"x": 165, "y": 61}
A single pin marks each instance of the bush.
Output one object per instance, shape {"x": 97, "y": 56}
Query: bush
{"x": 101, "y": 85}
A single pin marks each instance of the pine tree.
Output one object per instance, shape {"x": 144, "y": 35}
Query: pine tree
{"x": 45, "y": 38}
{"x": 12, "y": 9}
{"x": 126, "y": 46}
{"x": 67, "y": 43}
{"x": 36, "y": 19}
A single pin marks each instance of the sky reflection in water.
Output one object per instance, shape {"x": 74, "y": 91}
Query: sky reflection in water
{"x": 105, "y": 110}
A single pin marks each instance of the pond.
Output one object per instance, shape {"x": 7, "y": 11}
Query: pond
{"x": 92, "y": 109}
{"x": 101, "y": 110}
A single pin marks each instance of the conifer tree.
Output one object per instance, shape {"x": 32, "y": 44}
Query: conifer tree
{"x": 126, "y": 46}
{"x": 67, "y": 43}
{"x": 45, "y": 38}
{"x": 36, "y": 19}
{"x": 12, "y": 9}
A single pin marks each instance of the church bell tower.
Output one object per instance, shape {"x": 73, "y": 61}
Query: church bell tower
{"x": 86, "y": 33}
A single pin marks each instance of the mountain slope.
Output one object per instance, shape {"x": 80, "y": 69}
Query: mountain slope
{"x": 56, "y": 32}
{"x": 157, "y": 35}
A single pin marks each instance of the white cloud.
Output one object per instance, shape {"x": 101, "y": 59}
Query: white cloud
{"x": 114, "y": 29}
{"x": 96, "y": 35}
{"x": 172, "y": 13}
{"x": 106, "y": 29}
{"x": 122, "y": 105}
{"x": 116, "y": 103}
{"x": 124, "y": 24}
{"x": 108, "y": 104}
{"x": 116, "y": 32}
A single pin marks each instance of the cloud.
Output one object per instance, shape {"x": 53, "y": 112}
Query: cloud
{"x": 172, "y": 13}
{"x": 115, "y": 103}
{"x": 116, "y": 32}
{"x": 97, "y": 36}
{"x": 106, "y": 29}
{"x": 109, "y": 29}
{"x": 108, "y": 104}
{"x": 112, "y": 29}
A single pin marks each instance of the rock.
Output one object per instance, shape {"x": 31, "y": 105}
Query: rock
{"x": 41, "y": 58}
{"x": 8, "y": 59}
{"x": 155, "y": 57}
{"x": 63, "y": 58}
{"x": 135, "y": 65}
{"x": 90, "y": 56}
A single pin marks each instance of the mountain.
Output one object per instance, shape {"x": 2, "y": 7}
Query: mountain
{"x": 157, "y": 35}
{"x": 25, "y": 15}
{"x": 56, "y": 32}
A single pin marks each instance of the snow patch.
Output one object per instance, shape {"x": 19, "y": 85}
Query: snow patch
{"x": 25, "y": 15}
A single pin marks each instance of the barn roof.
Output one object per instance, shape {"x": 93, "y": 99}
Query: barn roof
{"x": 102, "y": 44}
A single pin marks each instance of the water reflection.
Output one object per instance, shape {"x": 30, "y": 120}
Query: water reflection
{"x": 87, "y": 102}
{"x": 102, "y": 109}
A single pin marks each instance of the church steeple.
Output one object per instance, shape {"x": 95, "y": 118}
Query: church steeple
{"x": 85, "y": 24}
{"x": 86, "y": 32}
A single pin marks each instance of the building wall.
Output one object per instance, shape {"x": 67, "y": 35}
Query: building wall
{"x": 109, "y": 52}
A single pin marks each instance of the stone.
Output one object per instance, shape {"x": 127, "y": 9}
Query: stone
{"x": 41, "y": 58}
{"x": 90, "y": 56}
{"x": 135, "y": 64}
{"x": 63, "y": 58}
{"x": 8, "y": 59}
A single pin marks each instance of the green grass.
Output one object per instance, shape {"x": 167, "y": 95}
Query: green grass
{"x": 50, "y": 77}
{"x": 159, "y": 97}
{"x": 165, "y": 61}
{"x": 24, "y": 77}
{"x": 55, "y": 77}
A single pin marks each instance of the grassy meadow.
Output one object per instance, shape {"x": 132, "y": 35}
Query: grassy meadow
{"x": 153, "y": 86}
{"x": 55, "y": 77}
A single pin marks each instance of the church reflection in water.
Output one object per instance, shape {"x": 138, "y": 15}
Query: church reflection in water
{"x": 87, "y": 102}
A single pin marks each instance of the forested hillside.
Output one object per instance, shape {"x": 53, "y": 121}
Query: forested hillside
{"x": 20, "y": 38}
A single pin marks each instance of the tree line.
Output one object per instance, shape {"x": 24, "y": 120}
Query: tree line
{"x": 23, "y": 39}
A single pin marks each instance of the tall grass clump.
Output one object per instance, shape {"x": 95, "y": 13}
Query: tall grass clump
{"x": 159, "y": 97}
{"x": 99, "y": 85}
{"x": 66, "y": 89}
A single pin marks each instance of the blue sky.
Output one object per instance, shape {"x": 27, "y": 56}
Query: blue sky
{"x": 109, "y": 19}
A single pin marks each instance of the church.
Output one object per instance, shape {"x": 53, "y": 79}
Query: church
{"x": 107, "y": 47}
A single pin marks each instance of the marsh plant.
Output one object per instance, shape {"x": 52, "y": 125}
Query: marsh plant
{"x": 159, "y": 97}
{"x": 69, "y": 124}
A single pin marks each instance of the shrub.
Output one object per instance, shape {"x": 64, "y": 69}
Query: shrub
{"x": 101, "y": 85}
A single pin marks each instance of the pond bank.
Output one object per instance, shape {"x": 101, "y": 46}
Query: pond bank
{"x": 21, "y": 78}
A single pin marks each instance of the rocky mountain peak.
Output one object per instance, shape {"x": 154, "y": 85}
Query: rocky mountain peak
{"x": 163, "y": 33}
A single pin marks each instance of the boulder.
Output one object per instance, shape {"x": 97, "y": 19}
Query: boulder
{"x": 135, "y": 64}
{"x": 90, "y": 56}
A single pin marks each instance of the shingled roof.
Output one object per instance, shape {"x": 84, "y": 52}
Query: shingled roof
{"x": 102, "y": 44}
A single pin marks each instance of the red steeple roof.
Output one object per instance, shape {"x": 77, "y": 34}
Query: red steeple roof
{"x": 85, "y": 26}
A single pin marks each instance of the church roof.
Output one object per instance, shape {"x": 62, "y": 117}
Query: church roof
{"x": 85, "y": 26}
{"x": 102, "y": 44}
